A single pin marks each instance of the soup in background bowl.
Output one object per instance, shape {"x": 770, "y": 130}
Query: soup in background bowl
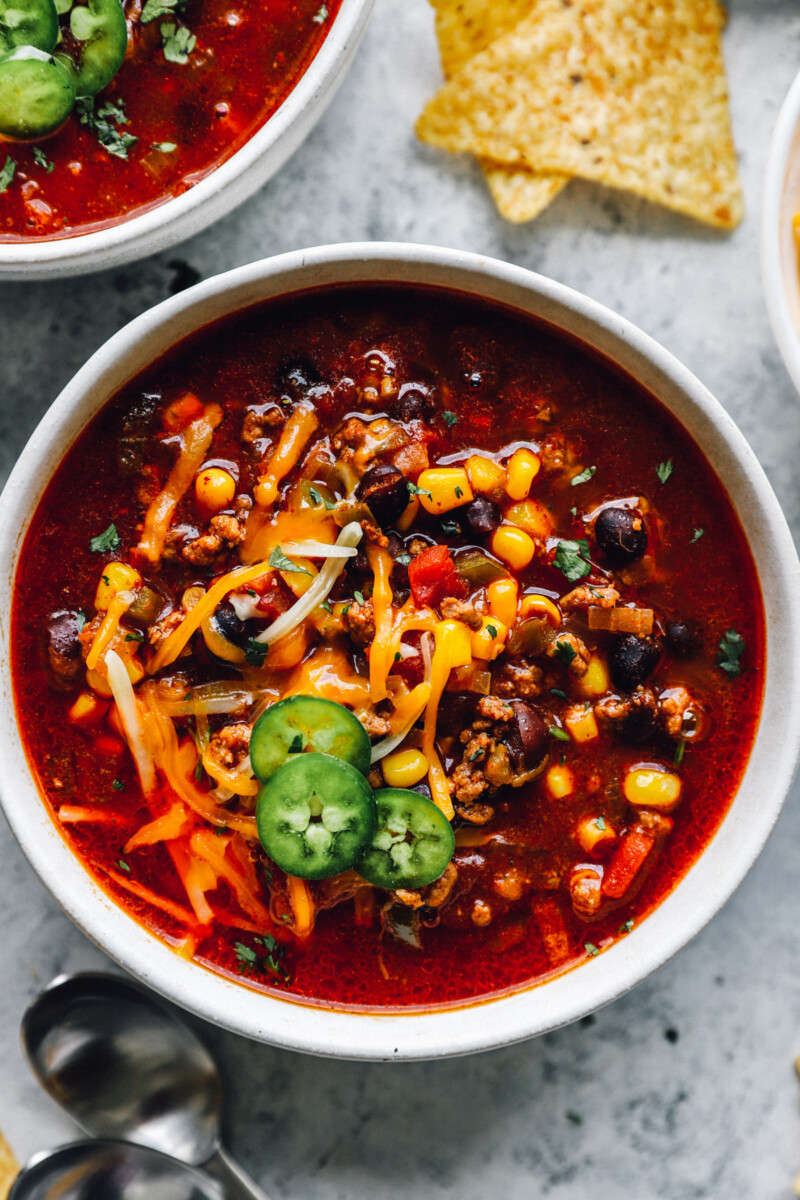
{"x": 388, "y": 646}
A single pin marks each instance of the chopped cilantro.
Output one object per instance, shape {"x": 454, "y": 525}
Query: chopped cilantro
{"x": 403, "y": 559}
{"x": 573, "y": 512}
{"x": 600, "y": 823}
{"x": 627, "y": 927}
{"x": 664, "y": 470}
{"x": 102, "y": 123}
{"x": 729, "y": 655}
{"x": 7, "y": 174}
{"x": 572, "y": 559}
{"x": 135, "y": 636}
{"x": 255, "y": 652}
{"x": 80, "y": 620}
{"x": 123, "y": 865}
{"x": 459, "y": 493}
{"x": 591, "y": 949}
{"x": 41, "y": 160}
{"x": 245, "y": 954}
{"x": 359, "y": 598}
{"x": 564, "y": 652}
{"x": 476, "y": 754}
{"x": 321, "y": 15}
{"x": 326, "y": 604}
{"x": 491, "y": 630}
{"x": 105, "y": 541}
{"x": 584, "y": 476}
{"x": 558, "y": 692}
{"x": 347, "y": 608}
{"x": 398, "y": 657}
{"x": 558, "y": 734}
{"x": 677, "y": 757}
{"x": 413, "y": 490}
{"x": 118, "y": 785}
{"x": 179, "y": 42}
{"x": 318, "y": 498}
{"x": 164, "y": 147}
{"x": 281, "y": 563}
{"x": 450, "y": 527}
{"x": 449, "y": 418}
{"x": 698, "y": 533}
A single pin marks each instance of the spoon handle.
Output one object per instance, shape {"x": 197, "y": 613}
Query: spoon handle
{"x": 236, "y": 1184}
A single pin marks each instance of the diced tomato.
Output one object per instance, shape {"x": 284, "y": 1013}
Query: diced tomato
{"x": 432, "y": 575}
{"x": 182, "y": 412}
{"x": 274, "y": 597}
{"x": 627, "y": 863}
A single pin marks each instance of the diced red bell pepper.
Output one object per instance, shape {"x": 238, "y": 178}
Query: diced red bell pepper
{"x": 274, "y": 596}
{"x": 432, "y": 575}
{"x": 626, "y": 863}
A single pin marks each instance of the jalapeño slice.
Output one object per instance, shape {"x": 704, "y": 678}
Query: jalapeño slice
{"x": 28, "y": 23}
{"x": 315, "y": 816}
{"x": 413, "y": 842}
{"x": 301, "y": 723}
{"x": 36, "y": 94}
{"x": 100, "y": 31}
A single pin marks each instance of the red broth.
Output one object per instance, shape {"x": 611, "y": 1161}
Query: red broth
{"x": 248, "y": 58}
{"x": 495, "y": 370}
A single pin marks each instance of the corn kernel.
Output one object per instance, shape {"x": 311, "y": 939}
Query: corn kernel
{"x": 514, "y": 546}
{"x": 593, "y": 833}
{"x": 559, "y": 782}
{"x": 581, "y": 724}
{"x": 531, "y": 516}
{"x": 486, "y": 476}
{"x": 652, "y": 787}
{"x": 489, "y": 640}
{"x": 87, "y": 710}
{"x": 117, "y": 577}
{"x": 405, "y": 768}
{"x": 502, "y": 596}
{"x": 453, "y": 638}
{"x": 596, "y": 680}
{"x": 444, "y": 488}
{"x": 540, "y": 606}
{"x": 523, "y": 467}
{"x": 214, "y": 489}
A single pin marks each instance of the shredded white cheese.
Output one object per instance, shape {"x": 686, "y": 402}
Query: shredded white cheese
{"x": 122, "y": 689}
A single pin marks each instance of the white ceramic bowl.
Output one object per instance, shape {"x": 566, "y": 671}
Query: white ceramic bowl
{"x": 779, "y": 257}
{"x": 220, "y": 192}
{"x": 697, "y": 897}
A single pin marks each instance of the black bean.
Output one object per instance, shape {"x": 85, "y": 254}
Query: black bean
{"x": 632, "y": 660}
{"x": 63, "y": 646}
{"x": 621, "y": 534}
{"x": 384, "y": 490}
{"x": 412, "y": 403}
{"x": 481, "y": 517}
{"x": 526, "y": 737}
{"x": 681, "y": 638}
{"x": 457, "y": 713}
{"x": 229, "y": 625}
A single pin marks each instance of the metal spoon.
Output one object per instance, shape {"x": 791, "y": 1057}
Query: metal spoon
{"x": 106, "y": 1170}
{"x": 124, "y": 1067}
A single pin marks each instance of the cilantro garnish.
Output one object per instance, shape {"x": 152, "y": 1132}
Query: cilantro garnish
{"x": 449, "y": 418}
{"x": 627, "y": 927}
{"x": 7, "y": 174}
{"x": 664, "y": 470}
{"x": 558, "y": 734}
{"x": 41, "y": 160}
{"x": 80, "y": 620}
{"x": 572, "y": 559}
{"x": 321, "y": 15}
{"x": 179, "y": 42}
{"x": 403, "y": 559}
{"x": 123, "y": 865}
{"x": 326, "y": 604}
{"x": 245, "y": 954}
{"x": 255, "y": 652}
{"x": 164, "y": 147}
{"x": 134, "y": 637}
{"x": 413, "y": 490}
{"x": 318, "y": 498}
{"x": 698, "y": 533}
{"x": 476, "y": 754}
{"x": 105, "y": 541}
{"x": 557, "y": 691}
{"x": 677, "y": 757}
{"x": 102, "y": 125}
{"x": 118, "y": 785}
{"x": 584, "y": 476}
{"x": 281, "y": 563}
{"x": 600, "y": 823}
{"x": 591, "y": 949}
{"x": 491, "y": 630}
{"x": 359, "y": 598}
{"x": 459, "y": 493}
{"x": 729, "y": 655}
{"x": 450, "y": 527}
{"x": 564, "y": 652}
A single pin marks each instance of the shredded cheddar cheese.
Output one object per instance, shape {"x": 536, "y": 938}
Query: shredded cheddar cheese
{"x": 296, "y": 432}
{"x": 194, "y": 444}
{"x": 302, "y": 906}
{"x": 451, "y": 649}
{"x": 117, "y": 607}
{"x": 380, "y": 662}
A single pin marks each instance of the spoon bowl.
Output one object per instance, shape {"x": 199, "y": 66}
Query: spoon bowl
{"x": 110, "y": 1170}
{"x": 124, "y": 1066}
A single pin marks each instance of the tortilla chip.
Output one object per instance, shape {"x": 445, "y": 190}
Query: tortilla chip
{"x": 629, "y": 93}
{"x": 465, "y": 28}
{"x": 9, "y": 1168}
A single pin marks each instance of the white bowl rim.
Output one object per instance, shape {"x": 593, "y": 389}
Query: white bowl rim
{"x": 228, "y": 185}
{"x": 681, "y": 915}
{"x": 776, "y": 230}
